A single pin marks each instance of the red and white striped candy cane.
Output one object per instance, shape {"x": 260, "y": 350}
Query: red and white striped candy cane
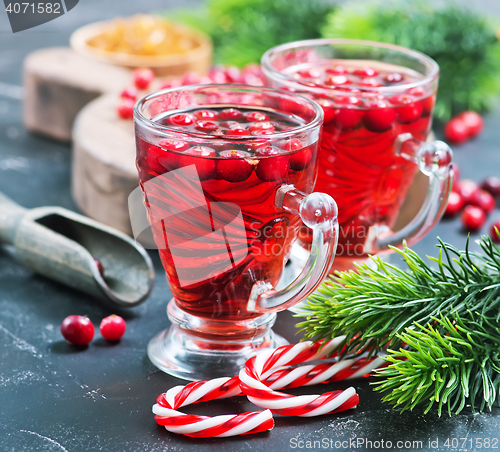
{"x": 206, "y": 426}
{"x": 268, "y": 371}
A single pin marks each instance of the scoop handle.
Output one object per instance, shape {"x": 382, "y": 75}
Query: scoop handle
{"x": 10, "y": 215}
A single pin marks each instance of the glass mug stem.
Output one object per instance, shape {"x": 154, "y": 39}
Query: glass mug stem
{"x": 318, "y": 211}
{"x": 434, "y": 161}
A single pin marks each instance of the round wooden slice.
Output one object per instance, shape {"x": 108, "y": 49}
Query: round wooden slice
{"x": 104, "y": 172}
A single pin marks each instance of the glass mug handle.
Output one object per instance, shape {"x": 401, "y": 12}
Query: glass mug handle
{"x": 318, "y": 211}
{"x": 434, "y": 160}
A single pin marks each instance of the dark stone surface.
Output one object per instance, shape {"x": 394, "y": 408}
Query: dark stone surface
{"x": 54, "y": 397}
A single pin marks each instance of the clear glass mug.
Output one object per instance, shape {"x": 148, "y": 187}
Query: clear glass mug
{"x": 374, "y": 137}
{"x": 224, "y": 236}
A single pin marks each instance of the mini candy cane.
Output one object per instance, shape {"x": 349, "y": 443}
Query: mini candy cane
{"x": 206, "y": 426}
{"x": 266, "y": 372}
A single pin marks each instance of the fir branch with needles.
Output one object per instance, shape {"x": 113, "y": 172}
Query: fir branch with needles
{"x": 439, "y": 327}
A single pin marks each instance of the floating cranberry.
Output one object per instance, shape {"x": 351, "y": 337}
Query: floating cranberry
{"x": 255, "y": 116}
{"x": 473, "y": 122}
{"x": 180, "y": 119}
{"x": 336, "y": 70}
{"x": 370, "y": 82}
{"x": 238, "y": 131}
{"x": 154, "y": 152}
{"x": 336, "y": 80}
{"x": 328, "y": 110}
{"x": 77, "y": 330}
{"x": 130, "y": 93}
{"x": 407, "y": 111}
{"x": 380, "y": 117}
{"x": 466, "y": 188}
{"x": 300, "y": 160}
{"x": 365, "y": 72}
{"x": 125, "y": 108}
{"x": 143, "y": 77}
{"x": 206, "y": 126}
{"x": 491, "y": 185}
{"x": 260, "y": 127}
{"x": 233, "y": 167}
{"x": 273, "y": 165}
{"x": 493, "y": 231}
{"x": 205, "y": 114}
{"x": 393, "y": 77}
{"x": 346, "y": 118}
{"x": 455, "y": 204}
{"x": 483, "y": 199}
{"x": 473, "y": 218}
{"x": 230, "y": 114}
{"x": 113, "y": 328}
{"x": 456, "y": 131}
{"x": 310, "y": 73}
{"x": 202, "y": 158}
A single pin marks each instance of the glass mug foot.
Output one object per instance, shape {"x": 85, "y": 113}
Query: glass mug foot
{"x": 190, "y": 350}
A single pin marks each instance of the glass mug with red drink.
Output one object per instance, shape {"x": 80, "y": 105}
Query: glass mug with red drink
{"x": 378, "y": 101}
{"x": 227, "y": 174}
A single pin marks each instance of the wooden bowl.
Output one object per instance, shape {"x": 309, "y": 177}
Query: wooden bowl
{"x": 198, "y": 59}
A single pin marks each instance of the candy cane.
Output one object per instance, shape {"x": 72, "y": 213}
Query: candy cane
{"x": 205, "y": 426}
{"x": 266, "y": 372}
{"x": 269, "y": 370}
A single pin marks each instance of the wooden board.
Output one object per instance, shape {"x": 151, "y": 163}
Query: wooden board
{"x": 103, "y": 171}
{"x": 59, "y": 83}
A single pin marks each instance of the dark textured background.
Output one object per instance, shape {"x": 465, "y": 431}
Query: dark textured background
{"x": 56, "y": 398}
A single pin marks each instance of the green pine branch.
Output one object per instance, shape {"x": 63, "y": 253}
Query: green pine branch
{"x": 441, "y": 325}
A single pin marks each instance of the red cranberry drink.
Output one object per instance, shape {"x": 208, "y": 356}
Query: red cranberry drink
{"x": 377, "y": 117}
{"x": 226, "y": 173}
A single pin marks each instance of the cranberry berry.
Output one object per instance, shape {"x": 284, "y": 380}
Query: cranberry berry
{"x": 77, "y": 330}
{"x": 466, "y": 188}
{"x": 473, "y": 121}
{"x": 273, "y": 165}
{"x": 255, "y": 116}
{"x": 456, "y": 131}
{"x": 230, "y": 114}
{"x": 408, "y": 111}
{"x": 365, "y": 72}
{"x": 493, "y": 231}
{"x": 205, "y": 115}
{"x": 130, "y": 93}
{"x": 113, "y": 327}
{"x": 380, "y": 117}
{"x": 455, "y": 205}
{"x": 125, "y": 108}
{"x": 473, "y": 218}
{"x": 206, "y": 126}
{"x": 233, "y": 167}
{"x": 202, "y": 158}
{"x": 484, "y": 200}
{"x": 180, "y": 119}
{"x": 491, "y": 185}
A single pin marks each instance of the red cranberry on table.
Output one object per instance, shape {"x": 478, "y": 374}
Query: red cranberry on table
{"x": 466, "y": 188}
{"x": 77, "y": 330}
{"x": 473, "y": 218}
{"x": 113, "y": 327}
{"x": 473, "y": 122}
{"x": 233, "y": 167}
{"x": 130, "y": 93}
{"x": 143, "y": 77}
{"x": 456, "y": 131}
{"x": 483, "y": 199}
{"x": 491, "y": 185}
{"x": 455, "y": 205}
{"x": 493, "y": 232}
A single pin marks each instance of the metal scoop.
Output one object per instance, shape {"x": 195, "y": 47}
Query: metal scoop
{"x": 64, "y": 246}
